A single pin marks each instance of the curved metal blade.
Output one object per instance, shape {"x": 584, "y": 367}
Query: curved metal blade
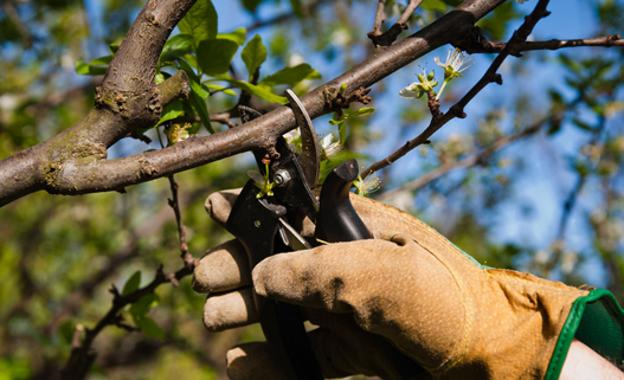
{"x": 310, "y": 148}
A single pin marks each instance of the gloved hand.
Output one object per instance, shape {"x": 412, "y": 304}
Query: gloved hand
{"x": 407, "y": 290}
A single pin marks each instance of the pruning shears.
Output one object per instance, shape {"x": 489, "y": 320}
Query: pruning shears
{"x": 266, "y": 225}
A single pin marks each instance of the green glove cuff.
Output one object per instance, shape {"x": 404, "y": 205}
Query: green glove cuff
{"x": 597, "y": 320}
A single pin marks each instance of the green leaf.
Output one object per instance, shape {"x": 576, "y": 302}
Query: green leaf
{"x": 200, "y": 21}
{"x": 362, "y": 111}
{"x": 239, "y": 35}
{"x": 66, "y": 331}
{"x": 198, "y": 100}
{"x": 434, "y": 5}
{"x": 297, "y": 8}
{"x": 254, "y": 54}
{"x": 218, "y": 87}
{"x": 150, "y": 327}
{"x": 139, "y": 309}
{"x": 200, "y": 89}
{"x": 261, "y": 91}
{"x": 188, "y": 69}
{"x": 114, "y": 46}
{"x": 177, "y": 46}
{"x": 132, "y": 283}
{"x": 172, "y": 111}
{"x": 214, "y": 56}
{"x": 96, "y": 67}
{"x": 495, "y": 25}
{"x": 291, "y": 75}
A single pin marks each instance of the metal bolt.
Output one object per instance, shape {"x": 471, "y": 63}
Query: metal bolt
{"x": 257, "y": 223}
{"x": 281, "y": 177}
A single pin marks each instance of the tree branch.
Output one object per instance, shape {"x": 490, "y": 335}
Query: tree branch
{"x": 480, "y": 45}
{"x": 457, "y": 110}
{"x": 75, "y": 175}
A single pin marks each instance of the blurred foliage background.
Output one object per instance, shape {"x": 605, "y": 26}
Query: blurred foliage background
{"x": 550, "y": 201}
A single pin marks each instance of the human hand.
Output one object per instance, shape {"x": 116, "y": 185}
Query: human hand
{"x": 407, "y": 291}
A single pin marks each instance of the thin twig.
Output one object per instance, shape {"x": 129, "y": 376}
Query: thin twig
{"x": 82, "y": 355}
{"x": 407, "y": 13}
{"x": 380, "y": 16}
{"x": 480, "y": 45}
{"x": 174, "y": 203}
{"x": 389, "y": 36}
{"x": 457, "y": 110}
{"x": 472, "y": 160}
{"x": 224, "y": 118}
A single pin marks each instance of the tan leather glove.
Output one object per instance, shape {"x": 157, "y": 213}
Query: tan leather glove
{"x": 409, "y": 285}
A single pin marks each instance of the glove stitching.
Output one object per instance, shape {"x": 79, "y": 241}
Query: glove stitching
{"x": 469, "y": 316}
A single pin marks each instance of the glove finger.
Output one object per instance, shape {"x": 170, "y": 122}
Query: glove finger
{"x": 319, "y": 277}
{"x": 225, "y": 267}
{"x": 219, "y": 205}
{"x": 338, "y": 355}
{"x": 229, "y": 310}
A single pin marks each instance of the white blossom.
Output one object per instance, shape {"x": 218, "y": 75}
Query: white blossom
{"x": 330, "y": 145}
{"x": 454, "y": 64}
{"x": 426, "y": 82}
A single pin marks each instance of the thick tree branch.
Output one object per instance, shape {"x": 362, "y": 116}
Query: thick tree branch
{"x": 457, "y": 110}
{"x": 74, "y": 176}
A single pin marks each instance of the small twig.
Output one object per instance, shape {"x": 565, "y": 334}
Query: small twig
{"x": 389, "y": 36}
{"x": 472, "y": 160}
{"x": 457, "y": 110}
{"x": 82, "y": 356}
{"x": 174, "y": 203}
{"x": 407, "y": 13}
{"x": 477, "y": 44}
{"x": 380, "y": 16}
{"x": 224, "y": 118}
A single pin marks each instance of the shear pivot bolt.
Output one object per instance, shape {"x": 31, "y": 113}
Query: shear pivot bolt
{"x": 282, "y": 177}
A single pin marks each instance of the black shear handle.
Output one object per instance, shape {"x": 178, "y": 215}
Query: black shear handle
{"x": 337, "y": 220}
{"x": 255, "y": 225}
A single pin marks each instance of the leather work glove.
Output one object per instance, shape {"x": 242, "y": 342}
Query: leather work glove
{"x": 408, "y": 290}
